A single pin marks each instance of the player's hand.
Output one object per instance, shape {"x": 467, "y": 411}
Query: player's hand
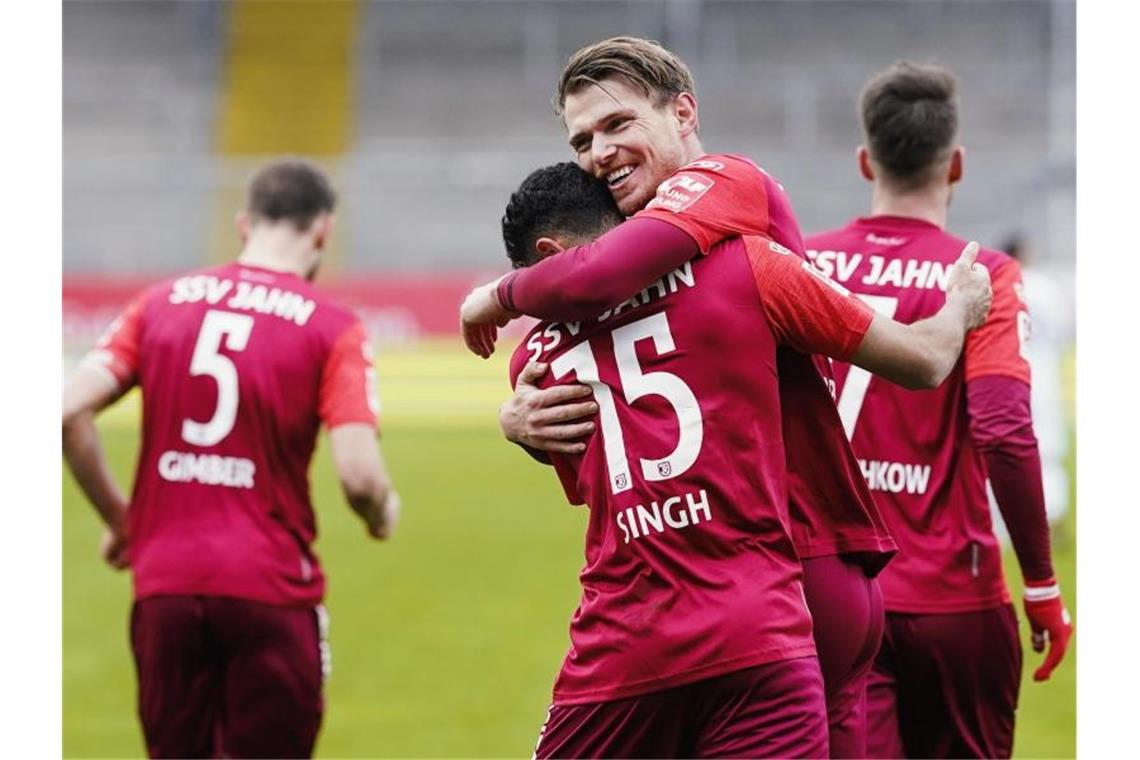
{"x": 548, "y": 419}
{"x": 969, "y": 283}
{"x": 383, "y": 521}
{"x": 480, "y": 317}
{"x": 113, "y": 548}
{"x": 1049, "y": 624}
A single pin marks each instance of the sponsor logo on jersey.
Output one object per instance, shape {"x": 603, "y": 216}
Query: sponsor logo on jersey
{"x": 207, "y": 469}
{"x": 777, "y": 248}
{"x": 891, "y": 241}
{"x": 680, "y": 191}
{"x": 674, "y": 513}
{"x": 895, "y": 477}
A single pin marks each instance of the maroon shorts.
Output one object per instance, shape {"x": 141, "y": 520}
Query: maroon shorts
{"x": 773, "y": 710}
{"x": 847, "y": 623}
{"x": 222, "y": 677}
{"x": 945, "y": 685}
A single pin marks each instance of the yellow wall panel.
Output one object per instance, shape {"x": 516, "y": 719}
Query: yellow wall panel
{"x": 288, "y": 83}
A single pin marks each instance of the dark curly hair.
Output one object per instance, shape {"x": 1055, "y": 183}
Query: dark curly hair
{"x": 561, "y": 201}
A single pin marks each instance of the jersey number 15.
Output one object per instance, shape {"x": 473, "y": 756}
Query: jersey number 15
{"x": 635, "y": 384}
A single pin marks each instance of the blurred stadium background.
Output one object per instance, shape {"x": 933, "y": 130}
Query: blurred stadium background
{"x": 427, "y": 115}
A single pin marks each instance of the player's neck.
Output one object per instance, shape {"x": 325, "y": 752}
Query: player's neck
{"x": 265, "y": 260}
{"x": 691, "y": 149}
{"x": 271, "y": 251}
{"x": 927, "y": 204}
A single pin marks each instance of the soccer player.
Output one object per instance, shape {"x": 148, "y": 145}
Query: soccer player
{"x": 669, "y": 634}
{"x": 631, "y": 115}
{"x": 238, "y": 366}
{"x": 945, "y": 683}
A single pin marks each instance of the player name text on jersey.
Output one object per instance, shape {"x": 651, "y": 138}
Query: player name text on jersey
{"x": 901, "y": 273}
{"x": 247, "y": 297}
{"x": 639, "y": 521}
{"x": 895, "y": 477}
{"x": 207, "y": 469}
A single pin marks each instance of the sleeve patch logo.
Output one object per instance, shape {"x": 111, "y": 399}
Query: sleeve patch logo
{"x": 680, "y": 191}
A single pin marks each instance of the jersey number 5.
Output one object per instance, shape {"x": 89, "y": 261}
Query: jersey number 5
{"x": 855, "y": 389}
{"x": 580, "y": 359}
{"x": 235, "y": 330}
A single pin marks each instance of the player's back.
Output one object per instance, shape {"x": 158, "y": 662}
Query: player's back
{"x": 690, "y": 571}
{"x": 915, "y": 447}
{"x": 230, "y": 362}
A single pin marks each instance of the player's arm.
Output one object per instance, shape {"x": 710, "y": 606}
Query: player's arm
{"x": 578, "y": 283}
{"x": 547, "y": 419}
{"x": 924, "y": 353}
{"x": 364, "y": 477}
{"x": 584, "y": 281}
{"x": 1001, "y": 424}
{"x": 87, "y": 392}
{"x": 700, "y": 205}
{"x": 817, "y": 315}
{"x": 104, "y": 375}
{"x": 349, "y": 409}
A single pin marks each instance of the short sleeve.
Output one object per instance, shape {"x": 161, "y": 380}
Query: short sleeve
{"x": 712, "y": 199}
{"x": 1001, "y": 345}
{"x": 807, "y": 310}
{"x": 348, "y": 381}
{"x": 117, "y": 351}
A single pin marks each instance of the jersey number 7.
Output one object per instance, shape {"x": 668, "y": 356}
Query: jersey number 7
{"x": 858, "y": 379}
{"x": 235, "y": 330}
{"x": 635, "y": 384}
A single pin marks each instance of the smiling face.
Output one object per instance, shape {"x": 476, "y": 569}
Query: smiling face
{"x": 620, "y": 135}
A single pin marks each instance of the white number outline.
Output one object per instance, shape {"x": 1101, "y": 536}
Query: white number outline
{"x": 637, "y": 384}
{"x": 858, "y": 379}
{"x": 234, "y": 329}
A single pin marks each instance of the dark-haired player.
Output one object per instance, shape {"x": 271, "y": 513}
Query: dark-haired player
{"x": 239, "y": 365}
{"x": 629, "y": 107}
{"x": 691, "y": 638}
{"x": 946, "y": 681}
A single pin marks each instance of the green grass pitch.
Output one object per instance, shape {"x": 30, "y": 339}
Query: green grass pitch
{"x": 445, "y": 640}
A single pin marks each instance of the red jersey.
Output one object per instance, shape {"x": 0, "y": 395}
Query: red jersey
{"x": 915, "y": 447}
{"x": 238, "y": 367}
{"x": 832, "y": 509}
{"x": 690, "y": 568}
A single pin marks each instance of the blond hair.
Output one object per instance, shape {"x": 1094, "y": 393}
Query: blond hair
{"x": 643, "y": 63}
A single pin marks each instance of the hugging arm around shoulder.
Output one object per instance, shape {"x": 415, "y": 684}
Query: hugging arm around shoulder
{"x": 584, "y": 281}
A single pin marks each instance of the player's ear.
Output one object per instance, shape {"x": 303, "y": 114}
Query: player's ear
{"x": 957, "y": 164}
{"x": 241, "y": 222}
{"x": 322, "y": 231}
{"x": 863, "y": 158}
{"x": 547, "y": 246}
{"x": 685, "y": 111}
